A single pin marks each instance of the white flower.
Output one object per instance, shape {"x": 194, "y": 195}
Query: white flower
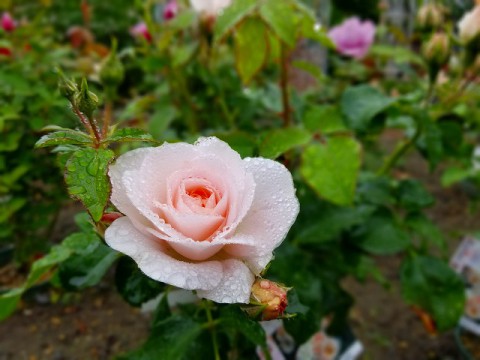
{"x": 210, "y": 7}
{"x": 469, "y": 25}
{"x": 199, "y": 217}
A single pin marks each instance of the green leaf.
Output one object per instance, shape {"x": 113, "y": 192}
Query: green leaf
{"x": 231, "y": 16}
{"x": 242, "y": 142}
{"x": 128, "y": 135}
{"x": 274, "y": 13}
{"x": 170, "y": 339}
{"x": 279, "y": 141}
{"x": 250, "y": 48}
{"x": 134, "y": 286}
{"x": 232, "y": 318}
{"x": 9, "y": 302}
{"x": 433, "y": 286}
{"x": 64, "y": 137}
{"x": 360, "y": 104}
{"x": 454, "y": 175}
{"x": 426, "y": 229}
{"x": 332, "y": 223}
{"x": 86, "y": 270}
{"x": 325, "y": 119}
{"x": 331, "y": 168}
{"x": 398, "y": 54}
{"x": 161, "y": 119}
{"x": 87, "y": 180}
{"x": 183, "y": 20}
{"x": 413, "y": 196}
{"x": 382, "y": 235}
{"x": 181, "y": 54}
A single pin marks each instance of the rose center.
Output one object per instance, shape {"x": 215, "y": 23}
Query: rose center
{"x": 203, "y": 197}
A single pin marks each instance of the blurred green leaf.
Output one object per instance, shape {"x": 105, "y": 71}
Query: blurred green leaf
{"x": 134, "y": 286}
{"x": 274, "y": 13}
{"x": 331, "y": 168}
{"x": 231, "y": 16}
{"x": 87, "y": 269}
{"x": 325, "y": 119}
{"x": 413, "y": 196}
{"x": 434, "y": 287}
{"x": 361, "y": 103}
{"x": 333, "y": 222}
{"x": 232, "y": 318}
{"x": 87, "y": 180}
{"x": 170, "y": 339}
{"x": 279, "y": 141}
{"x": 382, "y": 235}
{"x": 250, "y": 48}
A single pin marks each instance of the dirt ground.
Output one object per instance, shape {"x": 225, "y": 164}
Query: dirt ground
{"x": 97, "y": 323}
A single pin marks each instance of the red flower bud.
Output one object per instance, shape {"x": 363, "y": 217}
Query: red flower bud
{"x": 108, "y": 218}
{"x": 272, "y": 297}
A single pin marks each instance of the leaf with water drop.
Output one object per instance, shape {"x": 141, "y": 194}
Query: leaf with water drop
{"x": 129, "y": 135}
{"x": 87, "y": 180}
{"x": 64, "y": 137}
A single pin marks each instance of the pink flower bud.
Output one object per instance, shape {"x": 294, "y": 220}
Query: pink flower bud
{"x": 140, "y": 30}
{"x": 272, "y": 296}
{"x": 108, "y": 218}
{"x": 170, "y": 10}
{"x": 8, "y": 24}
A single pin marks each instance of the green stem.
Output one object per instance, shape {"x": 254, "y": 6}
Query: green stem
{"x": 399, "y": 152}
{"x": 91, "y": 126}
{"x": 226, "y": 112}
{"x": 284, "y": 86}
{"x": 211, "y": 325}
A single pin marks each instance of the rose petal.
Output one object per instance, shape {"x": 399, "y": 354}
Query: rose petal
{"x": 273, "y": 211}
{"x": 235, "y": 285}
{"x": 156, "y": 261}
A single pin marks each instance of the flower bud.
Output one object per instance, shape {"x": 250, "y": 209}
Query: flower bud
{"x": 271, "y": 296}
{"x": 437, "y": 50}
{"x": 7, "y": 22}
{"x": 111, "y": 70}
{"x": 170, "y": 10}
{"x": 85, "y": 100}
{"x": 469, "y": 26}
{"x": 141, "y": 31}
{"x": 67, "y": 88}
{"x": 430, "y": 16}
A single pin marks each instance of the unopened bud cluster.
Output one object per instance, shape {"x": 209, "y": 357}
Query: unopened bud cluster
{"x": 431, "y": 16}
{"x": 437, "y": 49}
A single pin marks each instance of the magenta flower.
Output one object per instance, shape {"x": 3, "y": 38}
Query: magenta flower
{"x": 353, "y": 37}
{"x": 170, "y": 10}
{"x": 140, "y": 30}
{"x": 7, "y": 22}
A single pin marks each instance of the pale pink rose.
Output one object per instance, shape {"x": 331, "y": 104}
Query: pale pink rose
{"x": 7, "y": 22}
{"x": 469, "y": 25}
{"x": 199, "y": 217}
{"x": 353, "y": 37}
{"x": 141, "y": 30}
{"x": 210, "y": 7}
{"x": 170, "y": 10}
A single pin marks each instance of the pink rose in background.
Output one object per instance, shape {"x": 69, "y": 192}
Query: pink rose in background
{"x": 140, "y": 30}
{"x": 199, "y": 217}
{"x": 8, "y": 23}
{"x": 170, "y": 10}
{"x": 353, "y": 37}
